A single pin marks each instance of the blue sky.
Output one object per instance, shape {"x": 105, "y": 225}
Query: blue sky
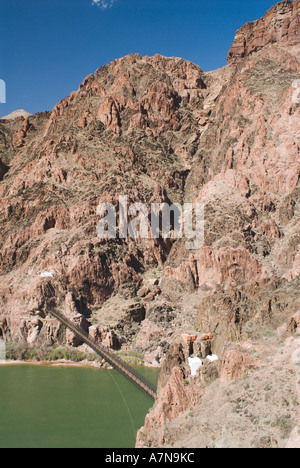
{"x": 47, "y": 47}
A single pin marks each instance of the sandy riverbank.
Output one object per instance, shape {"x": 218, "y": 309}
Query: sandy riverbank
{"x": 60, "y": 363}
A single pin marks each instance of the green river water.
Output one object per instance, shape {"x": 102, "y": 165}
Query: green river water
{"x": 69, "y": 407}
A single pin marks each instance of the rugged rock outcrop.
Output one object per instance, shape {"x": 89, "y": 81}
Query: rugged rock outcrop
{"x": 281, "y": 24}
{"x": 130, "y": 130}
{"x": 14, "y": 115}
{"x": 244, "y": 291}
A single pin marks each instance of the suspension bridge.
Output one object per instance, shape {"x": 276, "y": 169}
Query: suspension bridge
{"x": 115, "y": 361}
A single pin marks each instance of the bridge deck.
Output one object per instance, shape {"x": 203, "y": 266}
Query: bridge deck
{"x": 110, "y": 357}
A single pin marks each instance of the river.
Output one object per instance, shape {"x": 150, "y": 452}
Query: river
{"x": 69, "y": 407}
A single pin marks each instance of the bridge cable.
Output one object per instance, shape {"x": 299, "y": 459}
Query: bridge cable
{"x": 122, "y": 395}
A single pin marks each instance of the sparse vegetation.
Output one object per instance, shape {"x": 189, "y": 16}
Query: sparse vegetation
{"x": 47, "y": 354}
{"x": 284, "y": 425}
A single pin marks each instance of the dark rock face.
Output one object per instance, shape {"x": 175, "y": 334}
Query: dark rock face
{"x": 3, "y": 170}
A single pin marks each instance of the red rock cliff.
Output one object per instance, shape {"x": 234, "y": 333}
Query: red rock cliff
{"x": 281, "y": 24}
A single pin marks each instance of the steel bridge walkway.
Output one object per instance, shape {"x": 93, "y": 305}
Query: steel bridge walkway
{"x": 110, "y": 357}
